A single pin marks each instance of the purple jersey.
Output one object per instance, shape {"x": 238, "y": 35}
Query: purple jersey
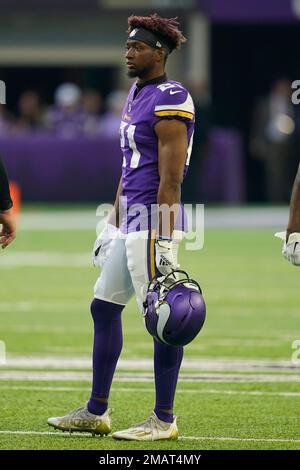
{"x": 163, "y": 99}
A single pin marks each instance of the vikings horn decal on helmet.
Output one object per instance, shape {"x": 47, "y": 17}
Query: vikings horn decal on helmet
{"x": 174, "y": 308}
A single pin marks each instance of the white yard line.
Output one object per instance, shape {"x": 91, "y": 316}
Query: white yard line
{"x": 197, "y": 438}
{"x": 40, "y": 258}
{"x": 59, "y": 220}
{"x": 49, "y": 304}
{"x": 49, "y": 329}
{"x": 183, "y": 391}
{"x": 56, "y": 376}
{"x": 197, "y": 364}
{"x": 249, "y": 439}
{"x": 239, "y": 217}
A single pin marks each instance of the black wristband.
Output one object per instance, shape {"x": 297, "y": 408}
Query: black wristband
{"x": 164, "y": 238}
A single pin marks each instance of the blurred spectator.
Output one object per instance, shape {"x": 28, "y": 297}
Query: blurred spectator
{"x": 30, "y": 112}
{"x": 110, "y": 122}
{"x": 6, "y": 121}
{"x": 66, "y": 118}
{"x": 92, "y": 107}
{"x": 273, "y": 139}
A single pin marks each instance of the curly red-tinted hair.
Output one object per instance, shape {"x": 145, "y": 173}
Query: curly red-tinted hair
{"x": 166, "y": 27}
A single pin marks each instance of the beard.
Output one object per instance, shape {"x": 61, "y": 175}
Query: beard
{"x": 140, "y": 73}
{"x": 132, "y": 73}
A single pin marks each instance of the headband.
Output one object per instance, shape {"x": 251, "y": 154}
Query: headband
{"x": 152, "y": 39}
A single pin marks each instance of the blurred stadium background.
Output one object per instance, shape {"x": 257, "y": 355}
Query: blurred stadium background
{"x": 63, "y": 66}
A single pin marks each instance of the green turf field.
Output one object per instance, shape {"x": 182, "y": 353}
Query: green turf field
{"x": 237, "y": 388}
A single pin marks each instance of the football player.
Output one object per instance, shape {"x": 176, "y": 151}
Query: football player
{"x": 7, "y": 220}
{"x": 156, "y": 134}
{"x": 291, "y": 245}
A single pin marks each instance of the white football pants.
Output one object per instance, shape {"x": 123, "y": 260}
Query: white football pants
{"x": 130, "y": 267}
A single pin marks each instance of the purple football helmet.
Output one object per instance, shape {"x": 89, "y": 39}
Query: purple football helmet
{"x": 174, "y": 308}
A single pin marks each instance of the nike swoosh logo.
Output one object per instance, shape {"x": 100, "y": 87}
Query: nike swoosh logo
{"x": 174, "y": 92}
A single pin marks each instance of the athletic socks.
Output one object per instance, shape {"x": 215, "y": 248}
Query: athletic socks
{"x": 108, "y": 342}
{"x": 167, "y": 362}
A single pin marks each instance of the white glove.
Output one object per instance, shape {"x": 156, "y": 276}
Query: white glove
{"x": 164, "y": 257}
{"x": 291, "y": 249}
{"x": 102, "y": 244}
